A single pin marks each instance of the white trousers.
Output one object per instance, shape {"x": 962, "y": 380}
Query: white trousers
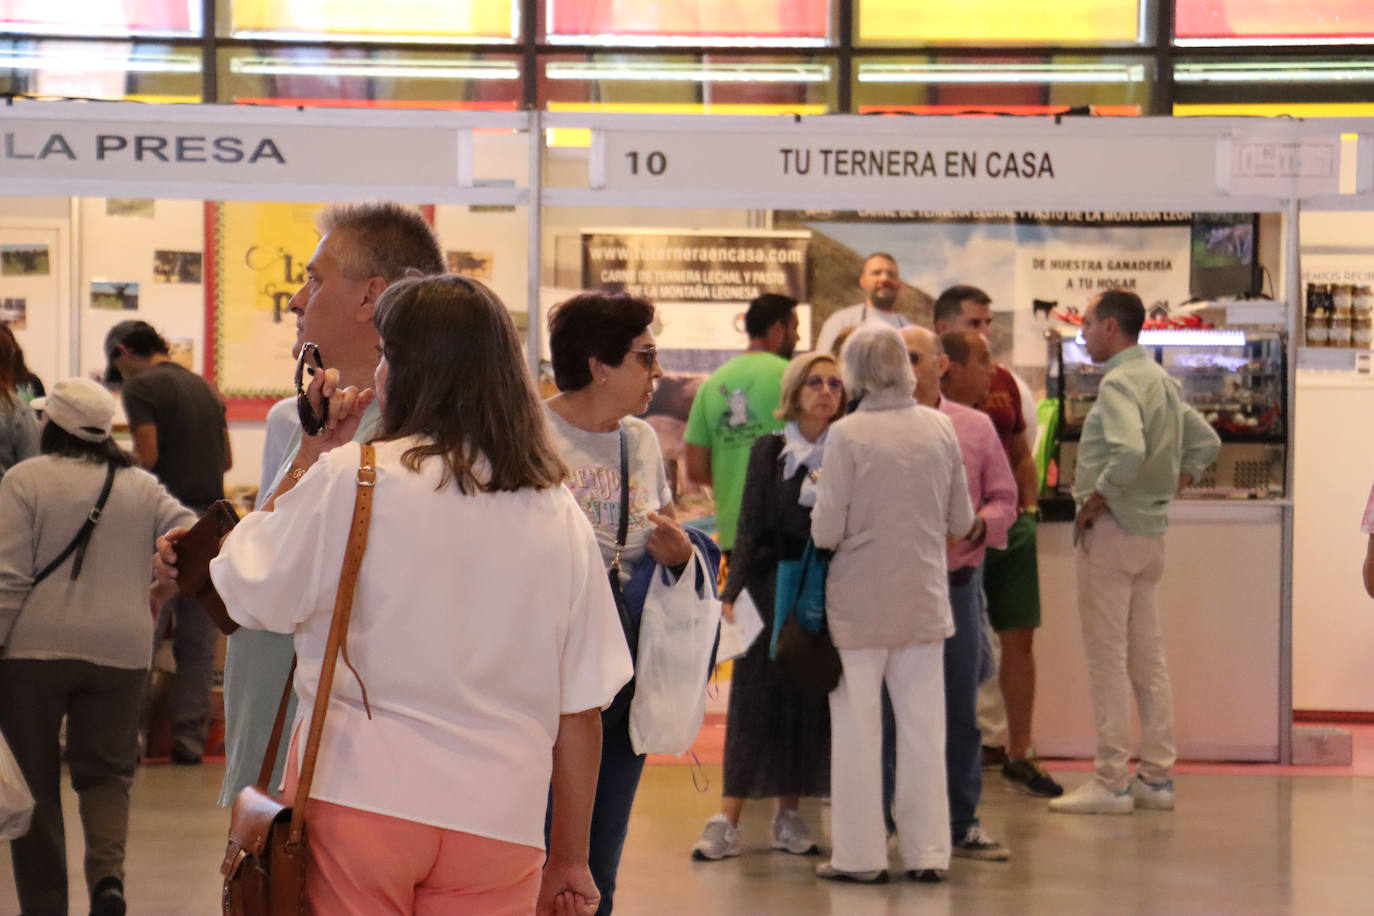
{"x": 1124, "y": 644}
{"x": 915, "y": 679}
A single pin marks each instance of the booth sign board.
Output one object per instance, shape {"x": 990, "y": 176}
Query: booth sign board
{"x": 185, "y": 151}
{"x": 1275, "y": 167}
{"x": 980, "y": 168}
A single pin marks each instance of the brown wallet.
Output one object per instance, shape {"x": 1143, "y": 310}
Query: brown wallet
{"x": 195, "y": 550}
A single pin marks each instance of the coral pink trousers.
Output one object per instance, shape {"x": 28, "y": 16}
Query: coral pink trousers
{"x": 366, "y": 864}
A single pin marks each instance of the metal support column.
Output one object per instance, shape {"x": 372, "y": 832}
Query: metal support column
{"x": 1292, "y": 258}
{"x": 534, "y": 316}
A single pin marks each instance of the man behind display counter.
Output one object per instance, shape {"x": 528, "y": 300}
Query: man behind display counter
{"x": 1140, "y": 445}
{"x": 881, "y": 281}
{"x": 364, "y": 248}
{"x": 735, "y": 405}
{"x": 1011, "y": 576}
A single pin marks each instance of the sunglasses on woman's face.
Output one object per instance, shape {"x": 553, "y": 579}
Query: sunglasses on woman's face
{"x": 815, "y": 382}
{"x": 648, "y": 356}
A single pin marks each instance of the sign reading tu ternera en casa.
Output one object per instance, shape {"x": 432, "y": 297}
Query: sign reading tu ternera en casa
{"x": 224, "y": 152}
{"x": 969, "y": 164}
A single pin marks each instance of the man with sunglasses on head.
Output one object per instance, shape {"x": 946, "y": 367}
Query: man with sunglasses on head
{"x": 735, "y": 405}
{"x": 179, "y": 432}
{"x": 363, "y": 249}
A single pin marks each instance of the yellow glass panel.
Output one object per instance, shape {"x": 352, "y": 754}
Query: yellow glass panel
{"x": 1280, "y": 109}
{"x": 432, "y": 19}
{"x": 576, "y": 136}
{"x": 1059, "y": 22}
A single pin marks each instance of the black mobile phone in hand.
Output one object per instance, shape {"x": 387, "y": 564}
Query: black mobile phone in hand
{"x": 311, "y": 422}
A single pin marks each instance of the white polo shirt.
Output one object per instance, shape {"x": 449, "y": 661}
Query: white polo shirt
{"x": 851, "y": 317}
{"x": 477, "y": 621}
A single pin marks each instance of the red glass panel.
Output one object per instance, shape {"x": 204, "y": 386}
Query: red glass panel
{"x": 701, "y": 19}
{"x": 1274, "y": 19}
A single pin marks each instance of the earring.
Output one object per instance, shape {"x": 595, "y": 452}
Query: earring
{"x": 603, "y": 379}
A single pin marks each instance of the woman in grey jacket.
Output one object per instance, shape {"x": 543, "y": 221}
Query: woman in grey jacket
{"x": 77, "y": 641}
{"x": 893, "y": 490}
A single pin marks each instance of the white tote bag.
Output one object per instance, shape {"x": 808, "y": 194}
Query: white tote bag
{"x": 676, "y": 634}
{"x": 16, "y": 801}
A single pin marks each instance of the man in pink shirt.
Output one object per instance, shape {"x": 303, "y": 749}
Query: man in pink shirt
{"x": 992, "y": 489}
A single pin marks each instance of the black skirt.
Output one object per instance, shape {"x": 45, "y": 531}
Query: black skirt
{"x": 776, "y": 741}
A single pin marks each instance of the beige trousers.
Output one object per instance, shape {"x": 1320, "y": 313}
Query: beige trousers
{"x": 1117, "y": 576}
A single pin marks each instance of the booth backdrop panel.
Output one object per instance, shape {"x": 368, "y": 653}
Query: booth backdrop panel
{"x": 1219, "y": 601}
{"x": 1333, "y": 619}
{"x": 260, "y": 251}
{"x": 117, "y": 246}
{"x": 35, "y": 290}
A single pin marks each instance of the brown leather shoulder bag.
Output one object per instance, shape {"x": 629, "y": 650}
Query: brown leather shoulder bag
{"x": 265, "y": 862}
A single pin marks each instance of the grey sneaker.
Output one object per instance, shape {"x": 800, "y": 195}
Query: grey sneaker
{"x": 1153, "y": 797}
{"x": 790, "y": 835}
{"x": 719, "y": 839}
{"x": 978, "y": 845}
{"x": 828, "y": 872}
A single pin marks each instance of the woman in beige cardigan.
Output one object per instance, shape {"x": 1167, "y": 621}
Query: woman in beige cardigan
{"x": 893, "y": 491}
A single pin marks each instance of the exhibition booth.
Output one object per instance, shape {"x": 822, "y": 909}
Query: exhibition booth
{"x": 198, "y": 220}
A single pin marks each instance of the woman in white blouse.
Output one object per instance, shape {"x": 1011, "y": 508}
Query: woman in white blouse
{"x": 893, "y": 490}
{"x": 483, "y": 627}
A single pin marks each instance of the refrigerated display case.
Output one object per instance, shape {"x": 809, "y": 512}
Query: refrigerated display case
{"x": 1235, "y": 378}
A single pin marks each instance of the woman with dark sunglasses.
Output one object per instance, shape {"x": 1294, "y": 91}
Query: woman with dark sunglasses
{"x": 605, "y": 365}
{"x": 777, "y": 741}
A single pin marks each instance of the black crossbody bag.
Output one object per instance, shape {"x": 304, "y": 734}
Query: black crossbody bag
{"x": 621, "y": 704}
{"x": 83, "y": 536}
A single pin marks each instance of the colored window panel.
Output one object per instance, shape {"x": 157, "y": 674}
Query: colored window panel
{"x": 697, "y": 21}
{"x": 397, "y": 20}
{"x": 893, "y": 22}
{"x": 367, "y": 77}
{"x": 100, "y": 70}
{"x": 101, "y": 17}
{"x": 1265, "y": 21}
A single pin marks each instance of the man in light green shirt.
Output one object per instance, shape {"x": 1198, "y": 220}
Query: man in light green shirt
{"x": 1140, "y": 445}
{"x": 735, "y": 405}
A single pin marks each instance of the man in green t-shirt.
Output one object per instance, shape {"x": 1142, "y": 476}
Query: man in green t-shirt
{"x": 735, "y": 405}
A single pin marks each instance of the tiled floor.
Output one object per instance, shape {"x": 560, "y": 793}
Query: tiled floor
{"x": 1249, "y": 840}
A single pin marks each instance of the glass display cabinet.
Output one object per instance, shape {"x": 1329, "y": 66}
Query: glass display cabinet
{"x": 1237, "y": 380}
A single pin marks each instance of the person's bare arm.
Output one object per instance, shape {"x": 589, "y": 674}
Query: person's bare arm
{"x": 1023, "y": 469}
{"x": 1369, "y": 567}
{"x": 699, "y": 464}
{"x": 567, "y": 885}
{"x": 145, "y": 444}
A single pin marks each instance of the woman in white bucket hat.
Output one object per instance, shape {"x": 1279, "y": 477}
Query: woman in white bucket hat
{"x": 77, "y": 529}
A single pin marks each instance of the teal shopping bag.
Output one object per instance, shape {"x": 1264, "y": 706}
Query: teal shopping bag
{"x": 800, "y": 593}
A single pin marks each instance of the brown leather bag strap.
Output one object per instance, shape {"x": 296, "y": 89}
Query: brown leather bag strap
{"x": 269, "y": 759}
{"x": 338, "y": 631}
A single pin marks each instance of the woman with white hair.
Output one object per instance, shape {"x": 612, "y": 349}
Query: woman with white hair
{"x": 893, "y": 490}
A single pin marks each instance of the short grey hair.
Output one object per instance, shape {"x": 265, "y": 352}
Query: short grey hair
{"x": 874, "y": 358}
{"x": 381, "y": 238}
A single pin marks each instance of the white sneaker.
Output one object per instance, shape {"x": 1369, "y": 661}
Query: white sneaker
{"x": 719, "y": 839}
{"x": 1094, "y": 798}
{"x": 790, "y": 835}
{"x": 1152, "y": 797}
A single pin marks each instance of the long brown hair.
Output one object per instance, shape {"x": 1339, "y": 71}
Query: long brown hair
{"x": 455, "y": 376}
{"x": 11, "y": 361}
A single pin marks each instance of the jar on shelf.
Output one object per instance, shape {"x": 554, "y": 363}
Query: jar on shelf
{"x": 1362, "y": 318}
{"x": 1318, "y": 323}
